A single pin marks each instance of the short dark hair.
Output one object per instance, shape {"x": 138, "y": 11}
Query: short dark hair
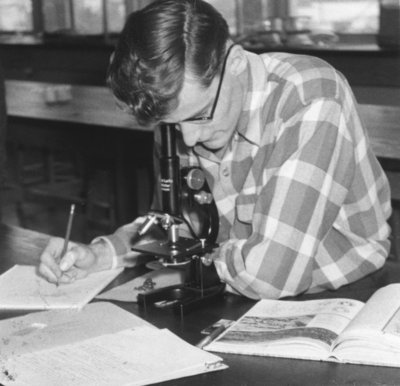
{"x": 156, "y": 45}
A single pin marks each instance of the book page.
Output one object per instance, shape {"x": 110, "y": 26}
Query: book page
{"x": 373, "y": 337}
{"x": 137, "y": 356}
{"x": 21, "y": 287}
{"x": 380, "y": 312}
{"x": 271, "y": 327}
{"x": 379, "y": 320}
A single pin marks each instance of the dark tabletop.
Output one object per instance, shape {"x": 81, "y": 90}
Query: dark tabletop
{"x": 19, "y": 246}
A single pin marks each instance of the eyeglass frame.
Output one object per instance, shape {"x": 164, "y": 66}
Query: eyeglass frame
{"x": 214, "y": 105}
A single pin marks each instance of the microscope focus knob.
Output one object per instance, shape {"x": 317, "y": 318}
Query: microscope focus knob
{"x": 206, "y": 260}
{"x": 203, "y": 197}
{"x": 195, "y": 178}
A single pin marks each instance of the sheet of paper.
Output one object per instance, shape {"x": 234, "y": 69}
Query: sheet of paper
{"x": 157, "y": 279}
{"x": 137, "y": 356}
{"x": 21, "y": 287}
{"x": 48, "y": 329}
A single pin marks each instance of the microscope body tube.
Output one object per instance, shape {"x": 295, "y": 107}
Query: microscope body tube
{"x": 169, "y": 171}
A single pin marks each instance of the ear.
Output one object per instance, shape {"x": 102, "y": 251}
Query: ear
{"x": 237, "y": 61}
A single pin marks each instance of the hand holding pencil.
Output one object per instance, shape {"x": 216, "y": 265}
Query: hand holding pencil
{"x": 63, "y": 261}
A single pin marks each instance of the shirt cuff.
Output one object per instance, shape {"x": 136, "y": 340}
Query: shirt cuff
{"x": 109, "y": 247}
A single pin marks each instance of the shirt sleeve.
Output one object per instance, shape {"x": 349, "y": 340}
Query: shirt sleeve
{"x": 117, "y": 246}
{"x": 307, "y": 180}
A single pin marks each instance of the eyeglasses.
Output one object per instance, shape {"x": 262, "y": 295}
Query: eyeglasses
{"x": 210, "y": 117}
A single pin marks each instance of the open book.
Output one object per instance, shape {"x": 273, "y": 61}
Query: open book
{"x": 22, "y": 288}
{"x": 342, "y": 330}
{"x": 101, "y": 345}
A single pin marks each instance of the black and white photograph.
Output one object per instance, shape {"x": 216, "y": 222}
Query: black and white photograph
{"x": 199, "y": 192}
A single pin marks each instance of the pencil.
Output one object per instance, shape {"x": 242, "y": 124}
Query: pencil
{"x": 67, "y": 233}
{"x": 209, "y": 338}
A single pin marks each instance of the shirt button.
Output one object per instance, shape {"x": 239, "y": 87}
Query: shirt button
{"x": 225, "y": 172}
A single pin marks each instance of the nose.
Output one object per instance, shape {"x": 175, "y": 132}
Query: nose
{"x": 190, "y": 133}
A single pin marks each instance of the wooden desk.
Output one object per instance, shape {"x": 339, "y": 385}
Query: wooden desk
{"x": 90, "y": 105}
{"x": 22, "y": 246}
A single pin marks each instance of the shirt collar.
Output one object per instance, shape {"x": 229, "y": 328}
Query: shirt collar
{"x": 249, "y": 122}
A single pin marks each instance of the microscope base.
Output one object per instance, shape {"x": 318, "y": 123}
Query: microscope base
{"x": 180, "y": 298}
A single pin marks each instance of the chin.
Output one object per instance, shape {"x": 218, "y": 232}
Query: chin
{"x": 216, "y": 144}
{"x": 213, "y": 146}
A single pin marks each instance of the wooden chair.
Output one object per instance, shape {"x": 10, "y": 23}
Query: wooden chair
{"x": 49, "y": 180}
{"x": 45, "y": 177}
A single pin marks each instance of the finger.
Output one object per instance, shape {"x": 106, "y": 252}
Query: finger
{"x": 47, "y": 273}
{"x": 139, "y": 222}
{"x": 68, "y": 277}
{"x": 80, "y": 274}
{"x": 84, "y": 257}
{"x": 72, "y": 275}
{"x": 68, "y": 261}
{"x": 51, "y": 265}
{"x": 50, "y": 256}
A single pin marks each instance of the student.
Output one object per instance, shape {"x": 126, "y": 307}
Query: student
{"x": 303, "y": 202}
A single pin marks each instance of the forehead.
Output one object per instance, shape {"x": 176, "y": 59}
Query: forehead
{"x": 192, "y": 99}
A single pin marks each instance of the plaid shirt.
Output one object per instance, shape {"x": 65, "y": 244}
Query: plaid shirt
{"x": 303, "y": 201}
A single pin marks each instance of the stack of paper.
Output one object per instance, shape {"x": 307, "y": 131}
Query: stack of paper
{"x": 101, "y": 345}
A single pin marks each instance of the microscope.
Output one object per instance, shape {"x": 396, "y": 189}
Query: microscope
{"x": 186, "y": 203}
